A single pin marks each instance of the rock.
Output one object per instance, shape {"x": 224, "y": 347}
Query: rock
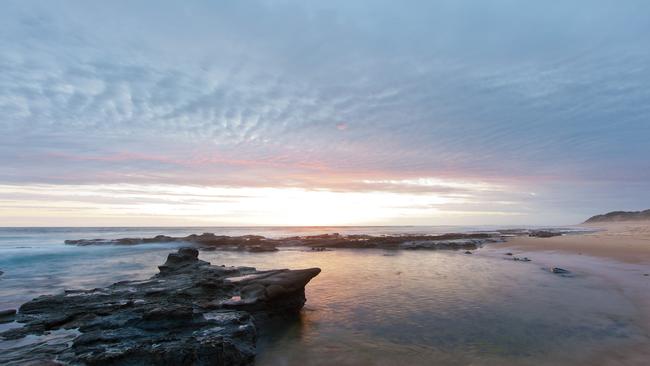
{"x": 261, "y": 249}
{"x": 319, "y": 249}
{"x": 7, "y": 316}
{"x": 208, "y": 241}
{"x": 457, "y": 244}
{"x": 544, "y": 233}
{"x": 254, "y": 243}
{"x": 9, "y": 312}
{"x": 508, "y": 253}
{"x": 560, "y": 270}
{"x": 269, "y": 290}
{"x": 468, "y": 252}
{"x": 191, "y": 313}
{"x": 524, "y": 259}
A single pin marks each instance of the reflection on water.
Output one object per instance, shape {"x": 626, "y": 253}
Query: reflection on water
{"x": 415, "y": 307}
{"x": 370, "y": 306}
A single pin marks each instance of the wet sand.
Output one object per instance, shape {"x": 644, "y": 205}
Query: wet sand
{"x": 618, "y": 255}
{"x": 627, "y": 242}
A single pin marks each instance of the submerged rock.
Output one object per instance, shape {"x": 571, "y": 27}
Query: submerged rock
{"x": 191, "y": 313}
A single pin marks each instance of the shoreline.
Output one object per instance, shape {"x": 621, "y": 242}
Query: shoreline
{"x": 448, "y": 275}
{"x": 627, "y": 242}
{"x": 619, "y": 256}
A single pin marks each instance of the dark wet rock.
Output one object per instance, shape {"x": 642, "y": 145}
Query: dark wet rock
{"x": 468, "y": 252}
{"x": 513, "y": 232}
{"x": 545, "y": 233}
{"x": 8, "y": 312}
{"x": 462, "y": 244}
{"x": 509, "y": 253}
{"x": 412, "y": 242}
{"x": 524, "y": 259}
{"x": 255, "y": 243}
{"x": 558, "y": 270}
{"x": 7, "y": 316}
{"x": 207, "y": 241}
{"x": 191, "y": 313}
{"x": 262, "y": 248}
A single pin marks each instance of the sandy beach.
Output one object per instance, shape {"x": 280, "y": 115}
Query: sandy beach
{"x": 627, "y": 242}
{"x": 618, "y": 254}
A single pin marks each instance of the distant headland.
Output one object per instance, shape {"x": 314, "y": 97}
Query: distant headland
{"x": 617, "y": 216}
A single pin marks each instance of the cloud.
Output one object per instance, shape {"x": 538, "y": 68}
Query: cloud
{"x": 326, "y": 95}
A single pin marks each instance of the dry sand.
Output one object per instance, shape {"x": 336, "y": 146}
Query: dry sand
{"x": 627, "y": 242}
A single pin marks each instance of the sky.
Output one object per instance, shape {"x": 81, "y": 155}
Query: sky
{"x": 456, "y": 112}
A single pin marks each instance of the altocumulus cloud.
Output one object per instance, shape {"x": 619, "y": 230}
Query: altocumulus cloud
{"x": 543, "y": 98}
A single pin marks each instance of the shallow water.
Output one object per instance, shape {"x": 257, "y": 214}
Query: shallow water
{"x": 369, "y": 306}
{"x": 384, "y": 308}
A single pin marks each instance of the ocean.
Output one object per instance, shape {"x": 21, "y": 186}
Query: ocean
{"x": 367, "y": 307}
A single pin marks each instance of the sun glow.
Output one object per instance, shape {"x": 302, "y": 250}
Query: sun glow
{"x": 125, "y": 204}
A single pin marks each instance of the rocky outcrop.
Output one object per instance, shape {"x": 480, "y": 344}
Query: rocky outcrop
{"x": 617, "y": 216}
{"x": 204, "y": 241}
{"x": 453, "y": 241}
{"x": 191, "y": 313}
{"x": 254, "y": 243}
{"x": 545, "y": 233}
{"x": 464, "y": 244}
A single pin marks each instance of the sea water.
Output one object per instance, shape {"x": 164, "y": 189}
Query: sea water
{"x": 367, "y": 307}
